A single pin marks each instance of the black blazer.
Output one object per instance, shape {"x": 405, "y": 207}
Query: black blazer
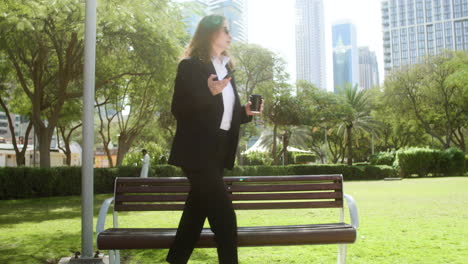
{"x": 198, "y": 114}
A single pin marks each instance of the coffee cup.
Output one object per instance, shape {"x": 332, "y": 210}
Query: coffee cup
{"x": 256, "y": 101}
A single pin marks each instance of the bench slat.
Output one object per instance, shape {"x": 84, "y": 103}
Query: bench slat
{"x": 233, "y": 188}
{"x": 151, "y": 238}
{"x": 330, "y": 177}
{"x": 234, "y": 197}
{"x": 284, "y": 187}
{"x": 152, "y": 189}
{"x": 245, "y": 206}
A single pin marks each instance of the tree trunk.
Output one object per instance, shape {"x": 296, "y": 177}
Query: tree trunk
{"x": 349, "y": 129}
{"x": 44, "y": 138}
{"x": 20, "y": 155}
{"x": 125, "y": 141}
{"x": 108, "y": 153}
{"x": 273, "y": 151}
{"x": 285, "y": 147}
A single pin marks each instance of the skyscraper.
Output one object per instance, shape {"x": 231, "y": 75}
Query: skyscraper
{"x": 235, "y": 12}
{"x": 310, "y": 42}
{"x": 345, "y": 55}
{"x": 368, "y": 68}
{"x": 414, "y": 29}
{"x": 193, "y": 12}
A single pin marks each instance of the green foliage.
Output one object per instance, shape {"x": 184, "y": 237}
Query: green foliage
{"x": 383, "y": 158}
{"x": 369, "y": 172}
{"x": 158, "y": 155}
{"x": 466, "y": 163}
{"x": 254, "y": 66}
{"x": 27, "y": 182}
{"x": 304, "y": 158}
{"x": 432, "y": 95}
{"x": 422, "y": 161}
{"x": 415, "y": 161}
{"x": 257, "y": 158}
{"x": 450, "y": 162}
{"x": 138, "y": 46}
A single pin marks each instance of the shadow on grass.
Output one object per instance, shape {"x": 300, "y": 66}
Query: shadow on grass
{"x": 40, "y": 249}
{"x": 44, "y": 209}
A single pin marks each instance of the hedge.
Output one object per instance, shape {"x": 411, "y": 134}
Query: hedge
{"x": 422, "y": 161}
{"x": 383, "y": 158}
{"x": 29, "y": 182}
{"x": 304, "y": 158}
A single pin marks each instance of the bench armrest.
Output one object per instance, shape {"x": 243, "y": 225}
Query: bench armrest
{"x": 102, "y": 215}
{"x": 352, "y": 210}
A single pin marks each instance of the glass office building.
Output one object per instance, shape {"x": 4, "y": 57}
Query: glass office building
{"x": 414, "y": 29}
{"x": 345, "y": 55}
{"x": 235, "y": 12}
{"x": 368, "y": 68}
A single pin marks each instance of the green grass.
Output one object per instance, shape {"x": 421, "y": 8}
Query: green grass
{"x": 418, "y": 221}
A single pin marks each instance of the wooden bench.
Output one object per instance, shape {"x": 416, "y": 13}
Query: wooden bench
{"x": 249, "y": 193}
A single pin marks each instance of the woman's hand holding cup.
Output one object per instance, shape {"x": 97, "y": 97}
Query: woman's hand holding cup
{"x": 255, "y": 105}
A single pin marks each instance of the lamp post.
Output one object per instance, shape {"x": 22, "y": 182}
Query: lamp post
{"x": 87, "y": 173}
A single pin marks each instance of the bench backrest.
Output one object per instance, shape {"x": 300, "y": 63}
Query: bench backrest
{"x": 259, "y": 192}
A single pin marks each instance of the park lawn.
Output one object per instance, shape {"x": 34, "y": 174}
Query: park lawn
{"x": 410, "y": 221}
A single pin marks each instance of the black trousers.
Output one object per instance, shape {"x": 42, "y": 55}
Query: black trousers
{"x": 208, "y": 198}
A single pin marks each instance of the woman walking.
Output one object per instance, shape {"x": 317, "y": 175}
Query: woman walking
{"x": 208, "y": 113}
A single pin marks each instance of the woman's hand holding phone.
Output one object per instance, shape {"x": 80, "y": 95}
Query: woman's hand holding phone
{"x": 217, "y": 87}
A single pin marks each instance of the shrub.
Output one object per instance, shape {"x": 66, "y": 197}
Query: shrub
{"x": 158, "y": 155}
{"x": 304, "y": 158}
{"x": 466, "y": 163}
{"x": 418, "y": 161}
{"x": 383, "y": 158}
{"x": 377, "y": 172}
{"x": 422, "y": 161}
{"x": 257, "y": 158}
{"x": 26, "y": 182}
{"x": 450, "y": 162}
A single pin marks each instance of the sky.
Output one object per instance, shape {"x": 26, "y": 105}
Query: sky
{"x": 271, "y": 24}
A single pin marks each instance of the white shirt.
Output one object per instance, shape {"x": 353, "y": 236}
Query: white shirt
{"x": 145, "y": 167}
{"x": 219, "y": 64}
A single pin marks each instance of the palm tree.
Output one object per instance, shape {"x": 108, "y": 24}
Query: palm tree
{"x": 358, "y": 116}
{"x": 297, "y": 136}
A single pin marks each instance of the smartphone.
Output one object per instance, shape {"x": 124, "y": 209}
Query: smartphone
{"x": 227, "y": 76}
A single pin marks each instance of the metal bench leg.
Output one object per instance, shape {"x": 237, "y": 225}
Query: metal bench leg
{"x": 342, "y": 254}
{"x": 117, "y": 257}
{"x": 111, "y": 257}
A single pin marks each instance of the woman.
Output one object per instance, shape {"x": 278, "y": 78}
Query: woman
{"x": 208, "y": 113}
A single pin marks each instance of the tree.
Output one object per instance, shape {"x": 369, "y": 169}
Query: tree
{"x": 323, "y": 111}
{"x": 147, "y": 51}
{"x": 69, "y": 122}
{"x": 42, "y": 42}
{"x": 396, "y": 130}
{"x": 434, "y": 95}
{"x": 10, "y": 99}
{"x": 254, "y": 66}
{"x": 358, "y": 115}
{"x": 281, "y": 107}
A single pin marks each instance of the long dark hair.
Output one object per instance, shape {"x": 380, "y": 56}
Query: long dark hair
{"x": 200, "y": 45}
